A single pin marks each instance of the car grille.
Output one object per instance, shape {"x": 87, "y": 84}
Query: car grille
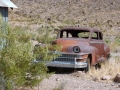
{"x": 66, "y": 58}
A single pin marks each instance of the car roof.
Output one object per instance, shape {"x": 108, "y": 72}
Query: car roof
{"x": 79, "y": 28}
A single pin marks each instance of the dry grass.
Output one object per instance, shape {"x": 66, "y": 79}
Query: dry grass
{"x": 109, "y": 68}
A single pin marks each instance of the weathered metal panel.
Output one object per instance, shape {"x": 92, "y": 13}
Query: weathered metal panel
{"x": 4, "y": 13}
{"x": 7, "y": 3}
{"x": 4, "y": 4}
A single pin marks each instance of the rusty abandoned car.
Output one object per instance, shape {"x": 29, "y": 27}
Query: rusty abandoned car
{"x": 81, "y": 48}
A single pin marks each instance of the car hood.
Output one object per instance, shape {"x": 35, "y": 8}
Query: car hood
{"x": 68, "y": 42}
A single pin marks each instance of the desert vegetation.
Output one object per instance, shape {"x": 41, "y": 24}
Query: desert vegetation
{"x": 38, "y": 20}
{"x": 17, "y": 55}
{"x": 108, "y": 70}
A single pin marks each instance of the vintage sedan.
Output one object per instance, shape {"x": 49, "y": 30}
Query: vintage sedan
{"x": 81, "y": 48}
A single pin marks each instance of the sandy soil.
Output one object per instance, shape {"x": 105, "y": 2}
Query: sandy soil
{"x": 75, "y": 81}
{"x": 67, "y": 79}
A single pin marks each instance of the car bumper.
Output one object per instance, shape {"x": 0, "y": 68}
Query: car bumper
{"x": 67, "y": 60}
{"x": 64, "y": 64}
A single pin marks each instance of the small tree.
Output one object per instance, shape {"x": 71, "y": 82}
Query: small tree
{"x": 16, "y": 60}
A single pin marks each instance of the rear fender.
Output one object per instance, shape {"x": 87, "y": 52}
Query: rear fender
{"x": 106, "y": 50}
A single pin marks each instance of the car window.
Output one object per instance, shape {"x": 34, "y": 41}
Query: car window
{"x": 66, "y": 34}
{"x": 95, "y": 35}
{"x": 83, "y": 34}
{"x": 74, "y": 34}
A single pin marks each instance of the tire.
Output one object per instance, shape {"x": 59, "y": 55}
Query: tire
{"x": 98, "y": 66}
{"x": 108, "y": 56}
{"x": 88, "y": 65}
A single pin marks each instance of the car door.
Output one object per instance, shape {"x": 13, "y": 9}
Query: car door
{"x": 96, "y": 41}
{"x": 101, "y": 44}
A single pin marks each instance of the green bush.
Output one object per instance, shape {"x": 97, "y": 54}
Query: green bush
{"x": 16, "y": 59}
{"x": 117, "y": 39}
{"x": 45, "y": 35}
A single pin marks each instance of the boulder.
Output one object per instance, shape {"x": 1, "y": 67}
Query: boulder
{"x": 117, "y": 78}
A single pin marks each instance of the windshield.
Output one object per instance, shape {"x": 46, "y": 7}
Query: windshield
{"x": 74, "y": 34}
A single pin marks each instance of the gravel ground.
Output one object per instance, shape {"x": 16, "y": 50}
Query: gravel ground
{"x": 74, "y": 82}
{"x": 70, "y": 80}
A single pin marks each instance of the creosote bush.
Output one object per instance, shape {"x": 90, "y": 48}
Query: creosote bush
{"x": 45, "y": 52}
{"x": 115, "y": 43}
{"x": 45, "y": 35}
{"x": 117, "y": 39}
{"x": 17, "y": 68}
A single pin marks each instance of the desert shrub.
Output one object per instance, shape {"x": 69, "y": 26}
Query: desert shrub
{"x": 45, "y": 35}
{"x": 107, "y": 41}
{"x": 45, "y": 39}
{"x": 45, "y": 52}
{"x": 67, "y": 22}
{"x": 16, "y": 59}
{"x": 117, "y": 39}
{"x": 115, "y": 44}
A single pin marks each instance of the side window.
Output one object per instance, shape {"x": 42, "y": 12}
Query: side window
{"x": 83, "y": 35}
{"x": 95, "y": 35}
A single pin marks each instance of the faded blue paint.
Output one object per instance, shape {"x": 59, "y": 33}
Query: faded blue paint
{"x": 4, "y": 13}
{"x": 4, "y": 4}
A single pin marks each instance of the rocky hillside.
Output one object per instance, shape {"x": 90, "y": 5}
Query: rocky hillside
{"x": 91, "y": 13}
{"x": 75, "y": 11}
{"x": 34, "y": 14}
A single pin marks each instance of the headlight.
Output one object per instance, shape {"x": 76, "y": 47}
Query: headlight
{"x": 76, "y": 49}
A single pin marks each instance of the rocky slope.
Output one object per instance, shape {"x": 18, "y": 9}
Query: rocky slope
{"x": 103, "y": 14}
{"x": 79, "y": 12}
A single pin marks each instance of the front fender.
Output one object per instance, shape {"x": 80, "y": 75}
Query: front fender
{"x": 93, "y": 51}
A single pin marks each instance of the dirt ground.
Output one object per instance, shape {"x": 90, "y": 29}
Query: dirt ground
{"x": 69, "y": 79}
{"x": 73, "y": 81}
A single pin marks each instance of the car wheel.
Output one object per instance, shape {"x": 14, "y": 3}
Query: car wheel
{"x": 108, "y": 56}
{"x": 98, "y": 66}
{"x": 88, "y": 65}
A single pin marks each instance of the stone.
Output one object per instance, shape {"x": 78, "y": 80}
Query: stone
{"x": 117, "y": 78}
{"x": 95, "y": 79}
{"x": 81, "y": 73}
{"x": 106, "y": 78}
{"x": 119, "y": 85}
{"x": 57, "y": 79}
